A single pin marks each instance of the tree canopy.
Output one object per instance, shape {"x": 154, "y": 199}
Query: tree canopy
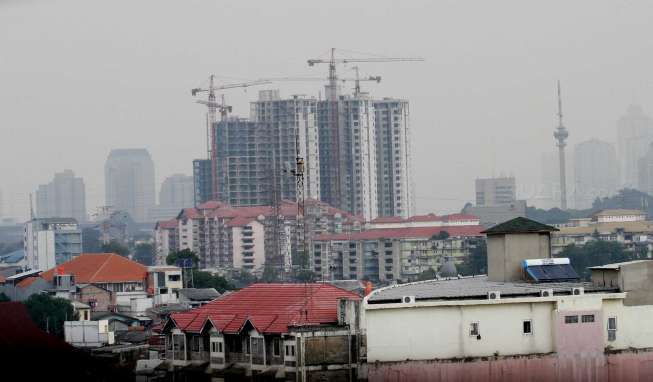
{"x": 208, "y": 280}
{"x": 49, "y": 313}
{"x": 144, "y": 253}
{"x": 598, "y": 252}
{"x": 476, "y": 262}
{"x": 172, "y": 258}
{"x": 116, "y": 247}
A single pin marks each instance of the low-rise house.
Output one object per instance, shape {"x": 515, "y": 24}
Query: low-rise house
{"x": 196, "y": 297}
{"x": 164, "y": 282}
{"x": 529, "y": 318}
{"x": 88, "y": 334}
{"x": 301, "y": 332}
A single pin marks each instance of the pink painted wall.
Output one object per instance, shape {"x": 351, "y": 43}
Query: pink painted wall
{"x": 579, "y": 338}
{"x": 637, "y": 367}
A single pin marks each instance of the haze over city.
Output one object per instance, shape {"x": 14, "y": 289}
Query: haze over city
{"x": 80, "y": 78}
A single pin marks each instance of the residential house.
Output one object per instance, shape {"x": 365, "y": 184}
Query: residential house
{"x": 302, "y": 332}
{"x": 196, "y": 297}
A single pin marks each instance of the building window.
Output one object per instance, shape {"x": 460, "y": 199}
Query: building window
{"x": 527, "y": 327}
{"x": 612, "y": 328}
{"x": 195, "y": 344}
{"x": 276, "y": 347}
{"x": 473, "y": 329}
{"x": 571, "y": 319}
{"x": 586, "y": 318}
{"x": 290, "y": 350}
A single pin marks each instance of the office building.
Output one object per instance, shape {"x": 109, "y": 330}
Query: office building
{"x": 63, "y": 197}
{"x": 634, "y": 135}
{"x": 595, "y": 172}
{"x": 491, "y": 192}
{"x": 51, "y": 241}
{"x": 394, "y": 158}
{"x": 129, "y": 182}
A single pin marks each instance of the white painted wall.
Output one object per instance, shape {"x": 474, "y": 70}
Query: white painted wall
{"x": 420, "y": 333}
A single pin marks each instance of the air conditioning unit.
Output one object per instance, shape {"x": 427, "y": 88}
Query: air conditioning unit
{"x": 494, "y": 295}
{"x": 579, "y": 291}
{"x": 408, "y": 299}
{"x": 546, "y": 293}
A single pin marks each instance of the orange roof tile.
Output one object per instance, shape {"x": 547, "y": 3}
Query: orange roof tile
{"x": 101, "y": 268}
{"x": 24, "y": 283}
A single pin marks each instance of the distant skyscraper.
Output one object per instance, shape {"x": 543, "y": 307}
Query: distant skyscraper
{"x": 63, "y": 197}
{"x": 129, "y": 182}
{"x": 202, "y": 181}
{"x": 634, "y": 135}
{"x": 177, "y": 191}
{"x": 492, "y": 192}
{"x": 645, "y": 166}
{"x": 595, "y": 172}
{"x": 394, "y": 158}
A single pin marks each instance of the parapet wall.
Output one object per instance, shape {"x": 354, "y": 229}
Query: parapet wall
{"x": 636, "y": 365}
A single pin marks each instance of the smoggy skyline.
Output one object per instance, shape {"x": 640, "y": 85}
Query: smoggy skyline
{"x": 79, "y": 78}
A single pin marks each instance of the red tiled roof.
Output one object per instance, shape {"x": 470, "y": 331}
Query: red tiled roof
{"x": 24, "y": 283}
{"x": 408, "y": 232}
{"x": 460, "y": 217}
{"x": 270, "y": 308}
{"x": 425, "y": 218}
{"x": 167, "y": 224}
{"x": 101, "y": 268}
{"x": 388, "y": 219}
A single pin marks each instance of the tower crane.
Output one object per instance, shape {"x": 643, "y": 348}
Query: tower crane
{"x": 214, "y": 106}
{"x": 357, "y": 80}
{"x": 333, "y": 61}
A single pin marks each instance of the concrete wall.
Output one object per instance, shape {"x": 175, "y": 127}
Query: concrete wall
{"x": 506, "y": 252}
{"x": 441, "y": 332}
{"x": 635, "y": 278}
{"x": 628, "y": 366}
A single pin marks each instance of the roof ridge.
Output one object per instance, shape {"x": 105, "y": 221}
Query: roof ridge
{"x": 100, "y": 268}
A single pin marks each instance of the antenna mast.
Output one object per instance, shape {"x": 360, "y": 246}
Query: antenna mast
{"x": 561, "y": 135}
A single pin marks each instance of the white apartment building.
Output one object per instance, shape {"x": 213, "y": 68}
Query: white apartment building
{"x": 51, "y": 241}
{"x": 394, "y": 158}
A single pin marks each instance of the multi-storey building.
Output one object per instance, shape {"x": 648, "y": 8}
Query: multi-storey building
{"x": 51, "y": 241}
{"x": 393, "y": 158}
{"x": 634, "y": 135}
{"x": 63, "y": 197}
{"x": 348, "y": 155}
{"x": 291, "y": 125}
{"x": 595, "y": 172}
{"x": 245, "y": 169}
{"x": 492, "y": 192}
{"x": 129, "y": 182}
{"x": 228, "y": 237}
{"x": 202, "y": 181}
{"x": 395, "y": 249}
{"x": 177, "y": 192}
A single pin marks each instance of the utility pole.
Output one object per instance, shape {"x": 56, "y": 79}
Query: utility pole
{"x": 561, "y": 135}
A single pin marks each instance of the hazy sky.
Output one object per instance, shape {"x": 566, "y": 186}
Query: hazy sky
{"x": 80, "y": 77}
